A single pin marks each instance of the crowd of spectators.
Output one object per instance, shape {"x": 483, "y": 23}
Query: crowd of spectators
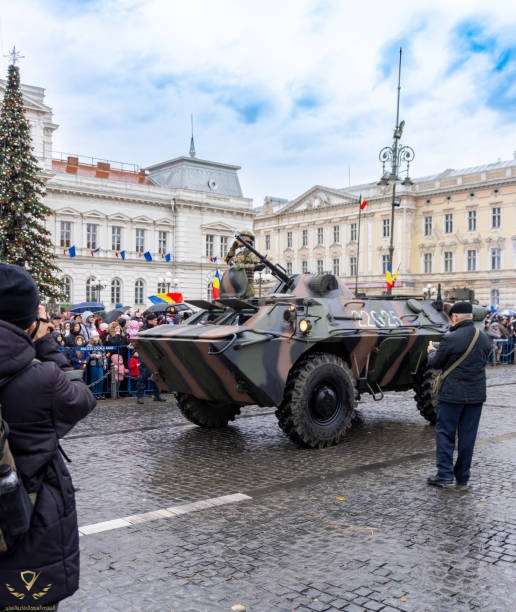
{"x": 104, "y": 350}
{"x": 501, "y": 329}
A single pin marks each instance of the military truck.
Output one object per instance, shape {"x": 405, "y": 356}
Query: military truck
{"x": 310, "y": 348}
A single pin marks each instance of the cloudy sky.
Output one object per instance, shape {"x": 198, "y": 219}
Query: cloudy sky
{"x": 297, "y": 92}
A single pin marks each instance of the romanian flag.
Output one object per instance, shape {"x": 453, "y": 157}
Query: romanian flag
{"x": 390, "y": 280}
{"x": 161, "y": 298}
{"x": 361, "y": 202}
{"x": 215, "y": 285}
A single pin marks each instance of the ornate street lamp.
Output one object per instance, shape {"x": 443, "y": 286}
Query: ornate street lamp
{"x": 261, "y": 277}
{"x": 429, "y": 292}
{"x": 396, "y": 156}
{"x": 96, "y": 286}
{"x": 164, "y": 283}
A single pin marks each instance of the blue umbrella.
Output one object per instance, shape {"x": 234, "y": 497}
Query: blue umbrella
{"x": 506, "y": 312}
{"x": 84, "y": 306}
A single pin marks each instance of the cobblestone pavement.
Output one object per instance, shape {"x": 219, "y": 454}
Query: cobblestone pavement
{"x": 353, "y": 527}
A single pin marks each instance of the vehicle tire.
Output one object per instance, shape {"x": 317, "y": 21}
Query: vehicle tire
{"x": 319, "y": 401}
{"x": 205, "y": 413}
{"x": 424, "y": 395}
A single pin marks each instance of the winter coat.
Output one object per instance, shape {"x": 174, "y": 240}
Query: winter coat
{"x": 119, "y": 369}
{"x": 40, "y": 406}
{"x": 466, "y": 384}
{"x": 134, "y": 366}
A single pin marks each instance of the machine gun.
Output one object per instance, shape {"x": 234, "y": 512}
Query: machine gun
{"x": 276, "y": 270}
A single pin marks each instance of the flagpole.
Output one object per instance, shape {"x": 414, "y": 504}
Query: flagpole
{"x": 358, "y": 249}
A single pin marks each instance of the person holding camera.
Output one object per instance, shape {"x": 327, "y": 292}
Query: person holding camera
{"x": 462, "y": 355}
{"x": 42, "y": 398}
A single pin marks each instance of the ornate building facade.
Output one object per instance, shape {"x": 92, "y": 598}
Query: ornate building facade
{"x": 122, "y": 233}
{"x": 456, "y": 228}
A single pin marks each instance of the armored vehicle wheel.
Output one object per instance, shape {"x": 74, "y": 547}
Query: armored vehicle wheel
{"x": 424, "y": 395}
{"x": 206, "y": 414}
{"x": 318, "y": 402}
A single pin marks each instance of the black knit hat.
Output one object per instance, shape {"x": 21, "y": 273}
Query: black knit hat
{"x": 461, "y": 308}
{"x": 19, "y": 298}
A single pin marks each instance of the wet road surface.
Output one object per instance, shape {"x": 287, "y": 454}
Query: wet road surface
{"x": 174, "y": 517}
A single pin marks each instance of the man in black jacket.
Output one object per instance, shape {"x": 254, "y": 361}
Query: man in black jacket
{"x": 460, "y": 397}
{"x": 41, "y": 401}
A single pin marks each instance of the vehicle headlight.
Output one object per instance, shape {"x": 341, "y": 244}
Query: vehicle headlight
{"x": 304, "y": 326}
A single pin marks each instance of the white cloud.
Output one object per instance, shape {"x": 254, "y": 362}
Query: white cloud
{"x": 297, "y": 92}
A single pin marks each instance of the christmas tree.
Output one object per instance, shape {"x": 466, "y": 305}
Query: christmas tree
{"x": 24, "y": 239}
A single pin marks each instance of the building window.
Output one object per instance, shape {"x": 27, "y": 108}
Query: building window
{"x": 448, "y": 223}
{"x": 210, "y": 240}
{"x": 304, "y": 267}
{"x": 386, "y": 228}
{"x": 116, "y": 291}
{"x": 65, "y": 234}
{"x": 353, "y": 232}
{"x": 320, "y": 266}
{"x": 427, "y": 226}
{"x": 336, "y": 267}
{"x": 353, "y": 270}
{"x": 139, "y": 287}
{"x": 223, "y": 246}
{"x": 116, "y": 238}
{"x": 140, "y": 240}
{"x": 427, "y": 263}
{"x": 320, "y": 235}
{"x": 495, "y": 297}
{"x": 162, "y": 243}
{"x": 289, "y": 268}
{"x": 471, "y": 260}
{"x": 67, "y": 288}
{"x": 91, "y": 235}
{"x": 267, "y": 242}
{"x": 304, "y": 238}
{"x": 385, "y": 263}
{"x": 472, "y": 220}
{"x": 496, "y": 217}
{"x": 289, "y": 240}
{"x": 336, "y": 234}
{"x": 496, "y": 258}
{"x": 448, "y": 261}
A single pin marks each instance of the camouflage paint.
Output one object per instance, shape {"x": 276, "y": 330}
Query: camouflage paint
{"x": 383, "y": 340}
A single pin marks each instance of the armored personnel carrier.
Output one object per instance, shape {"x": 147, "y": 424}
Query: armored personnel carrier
{"x": 310, "y": 348}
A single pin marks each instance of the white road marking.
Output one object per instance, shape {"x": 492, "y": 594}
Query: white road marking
{"x": 137, "y": 519}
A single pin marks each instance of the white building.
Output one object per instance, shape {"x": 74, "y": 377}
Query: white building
{"x": 182, "y": 213}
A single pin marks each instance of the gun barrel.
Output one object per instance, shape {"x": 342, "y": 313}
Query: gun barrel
{"x": 276, "y": 270}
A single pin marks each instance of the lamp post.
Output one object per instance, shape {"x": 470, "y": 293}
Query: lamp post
{"x": 429, "y": 292}
{"x": 165, "y": 281}
{"x": 261, "y": 277}
{"x": 397, "y": 155}
{"x": 96, "y": 288}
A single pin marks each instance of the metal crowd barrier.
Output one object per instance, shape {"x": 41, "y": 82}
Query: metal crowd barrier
{"x": 106, "y": 384}
{"x": 504, "y": 348}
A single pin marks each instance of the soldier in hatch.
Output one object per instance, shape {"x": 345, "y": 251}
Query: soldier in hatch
{"x": 244, "y": 259}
